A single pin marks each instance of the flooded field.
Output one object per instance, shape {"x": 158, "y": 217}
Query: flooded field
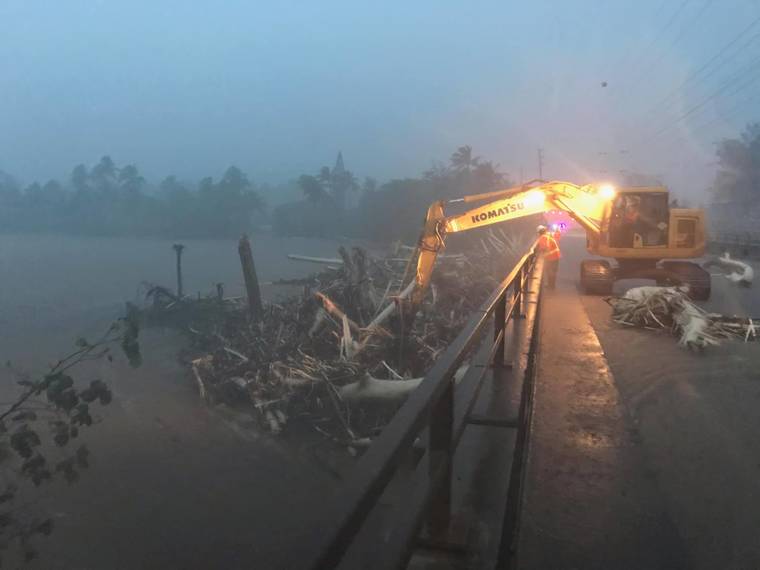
{"x": 171, "y": 484}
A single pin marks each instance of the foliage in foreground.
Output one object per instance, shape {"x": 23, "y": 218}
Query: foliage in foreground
{"x": 38, "y": 431}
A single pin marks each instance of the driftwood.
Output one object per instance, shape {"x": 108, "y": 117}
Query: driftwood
{"x": 333, "y": 310}
{"x": 671, "y": 309}
{"x": 369, "y": 388}
{"x": 323, "y": 260}
{"x": 335, "y": 355}
{"x": 737, "y": 271}
{"x": 390, "y": 308}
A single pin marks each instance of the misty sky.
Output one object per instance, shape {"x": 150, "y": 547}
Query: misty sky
{"x": 189, "y": 87}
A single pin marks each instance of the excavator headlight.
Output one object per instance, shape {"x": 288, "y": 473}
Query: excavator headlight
{"x": 607, "y": 191}
{"x": 534, "y": 199}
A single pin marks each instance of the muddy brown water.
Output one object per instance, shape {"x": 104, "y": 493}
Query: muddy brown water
{"x": 172, "y": 485}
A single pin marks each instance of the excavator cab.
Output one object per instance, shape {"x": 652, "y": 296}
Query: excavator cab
{"x": 639, "y": 220}
{"x": 643, "y": 233}
{"x": 640, "y": 223}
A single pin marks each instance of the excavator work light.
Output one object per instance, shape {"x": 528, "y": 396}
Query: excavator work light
{"x": 607, "y": 191}
{"x": 534, "y": 199}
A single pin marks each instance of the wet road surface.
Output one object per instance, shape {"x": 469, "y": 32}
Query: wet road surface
{"x": 678, "y": 428}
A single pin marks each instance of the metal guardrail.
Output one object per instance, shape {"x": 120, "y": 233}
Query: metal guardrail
{"x": 738, "y": 238}
{"x": 429, "y": 410}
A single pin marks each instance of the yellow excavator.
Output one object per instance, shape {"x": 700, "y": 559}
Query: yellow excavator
{"x": 635, "y": 226}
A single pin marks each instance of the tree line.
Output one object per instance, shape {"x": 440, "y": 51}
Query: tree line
{"x": 391, "y": 211}
{"x": 108, "y": 200}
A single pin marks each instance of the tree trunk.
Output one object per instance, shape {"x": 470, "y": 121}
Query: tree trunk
{"x": 255, "y": 306}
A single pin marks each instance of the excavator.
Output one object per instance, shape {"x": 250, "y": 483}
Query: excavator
{"x": 634, "y": 226}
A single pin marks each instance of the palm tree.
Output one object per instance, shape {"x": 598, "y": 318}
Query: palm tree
{"x": 79, "y": 178}
{"x": 462, "y": 160}
{"x": 438, "y": 171}
{"x": 487, "y": 175}
{"x": 104, "y": 174}
{"x": 312, "y": 188}
{"x": 130, "y": 179}
{"x": 325, "y": 177}
{"x": 369, "y": 186}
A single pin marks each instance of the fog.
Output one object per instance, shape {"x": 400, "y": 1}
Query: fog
{"x": 128, "y": 128}
{"x": 188, "y": 88}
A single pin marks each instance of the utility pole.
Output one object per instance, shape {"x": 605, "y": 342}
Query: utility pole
{"x": 540, "y": 163}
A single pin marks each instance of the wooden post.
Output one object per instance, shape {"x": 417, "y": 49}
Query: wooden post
{"x": 499, "y": 328}
{"x": 178, "y": 247}
{"x": 251, "y": 280}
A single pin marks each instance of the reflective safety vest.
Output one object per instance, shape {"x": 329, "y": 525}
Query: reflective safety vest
{"x": 547, "y": 246}
{"x": 557, "y": 235}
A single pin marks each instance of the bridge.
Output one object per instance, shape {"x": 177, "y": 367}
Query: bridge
{"x": 570, "y": 442}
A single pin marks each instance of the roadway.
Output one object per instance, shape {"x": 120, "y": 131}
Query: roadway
{"x": 643, "y": 454}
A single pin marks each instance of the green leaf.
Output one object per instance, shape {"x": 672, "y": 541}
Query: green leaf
{"x": 82, "y": 456}
{"x": 23, "y": 440}
{"x": 45, "y": 527}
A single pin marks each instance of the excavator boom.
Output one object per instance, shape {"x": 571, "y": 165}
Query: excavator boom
{"x": 584, "y": 203}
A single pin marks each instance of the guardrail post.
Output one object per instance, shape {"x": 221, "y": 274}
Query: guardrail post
{"x": 499, "y": 327}
{"x": 517, "y": 290}
{"x": 441, "y": 458}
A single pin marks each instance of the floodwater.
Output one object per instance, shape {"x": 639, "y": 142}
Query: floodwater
{"x": 171, "y": 485}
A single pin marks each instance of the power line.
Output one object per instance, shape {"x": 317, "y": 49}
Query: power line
{"x": 623, "y": 59}
{"x": 679, "y": 36}
{"x": 659, "y": 35}
{"x": 707, "y": 64}
{"x": 719, "y": 91}
{"x": 732, "y": 112}
{"x": 705, "y": 5}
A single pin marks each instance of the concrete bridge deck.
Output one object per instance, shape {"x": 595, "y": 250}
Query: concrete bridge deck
{"x": 642, "y": 454}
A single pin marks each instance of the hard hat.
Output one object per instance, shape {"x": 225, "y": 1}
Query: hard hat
{"x": 541, "y": 229}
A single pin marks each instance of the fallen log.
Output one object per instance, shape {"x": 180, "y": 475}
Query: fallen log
{"x": 195, "y": 365}
{"x": 323, "y": 260}
{"x": 390, "y": 308}
{"x": 333, "y": 310}
{"x": 739, "y": 272}
{"x": 369, "y": 388}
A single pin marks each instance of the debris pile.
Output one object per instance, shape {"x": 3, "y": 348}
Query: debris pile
{"x": 670, "y": 308}
{"x": 343, "y": 353}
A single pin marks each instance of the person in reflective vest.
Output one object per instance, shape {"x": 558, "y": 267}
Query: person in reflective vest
{"x": 548, "y": 248}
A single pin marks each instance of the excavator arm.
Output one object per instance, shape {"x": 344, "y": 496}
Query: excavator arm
{"x": 585, "y": 204}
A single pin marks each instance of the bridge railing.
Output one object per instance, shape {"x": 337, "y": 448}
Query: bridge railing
{"x": 738, "y": 238}
{"x": 428, "y": 411}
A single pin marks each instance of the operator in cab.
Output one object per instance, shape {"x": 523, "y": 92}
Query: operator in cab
{"x": 548, "y": 248}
